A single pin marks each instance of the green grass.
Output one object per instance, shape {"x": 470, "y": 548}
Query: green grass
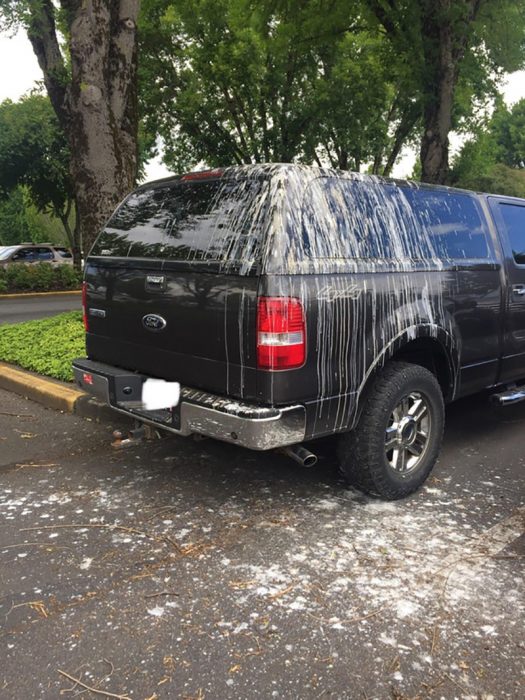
{"x": 46, "y": 346}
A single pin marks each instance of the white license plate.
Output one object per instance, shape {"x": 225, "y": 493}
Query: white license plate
{"x": 157, "y": 394}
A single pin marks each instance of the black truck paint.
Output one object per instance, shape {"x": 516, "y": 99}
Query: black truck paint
{"x": 385, "y": 272}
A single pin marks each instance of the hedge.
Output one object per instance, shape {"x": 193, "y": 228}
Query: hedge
{"x": 40, "y": 277}
{"x": 46, "y": 346}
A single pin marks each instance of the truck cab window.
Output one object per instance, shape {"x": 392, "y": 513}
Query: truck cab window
{"x": 514, "y": 220}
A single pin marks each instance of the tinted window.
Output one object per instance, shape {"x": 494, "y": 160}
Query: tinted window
{"x": 24, "y": 255}
{"x": 64, "y": 253}
{"x": 215, "y": 220}
{"x": 514, "y": 219}
{"x": 43, "y": 254}
{"x": 453, "y": 223}
{"x": 367, "y": 219}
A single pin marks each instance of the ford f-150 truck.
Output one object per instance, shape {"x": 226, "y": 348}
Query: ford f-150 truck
{"x": 283, "y": 303}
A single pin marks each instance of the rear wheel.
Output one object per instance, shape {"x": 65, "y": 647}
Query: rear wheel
{"x": 396, "y": 443}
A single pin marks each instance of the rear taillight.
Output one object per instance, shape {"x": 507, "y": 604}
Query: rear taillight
{"x": 84, "y": 306}
{"x": 281, "y": 335}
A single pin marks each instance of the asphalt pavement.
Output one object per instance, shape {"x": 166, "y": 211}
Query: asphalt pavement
{"x": 15, "y": 310}
{"x": 182, "y": 569}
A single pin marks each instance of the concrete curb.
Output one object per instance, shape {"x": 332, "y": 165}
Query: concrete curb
{"x": 31, "y": 295}
{"x": 57, "y": 395}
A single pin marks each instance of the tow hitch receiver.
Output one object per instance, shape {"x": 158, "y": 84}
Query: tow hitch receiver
{"x": 138, "y": 434}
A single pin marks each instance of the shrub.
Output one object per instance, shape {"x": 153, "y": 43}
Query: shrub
{"x": 40, "y": 277}
{"x": 47, "y": 346}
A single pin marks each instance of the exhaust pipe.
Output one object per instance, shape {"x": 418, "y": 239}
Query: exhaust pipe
{"x": 300, "y": 455}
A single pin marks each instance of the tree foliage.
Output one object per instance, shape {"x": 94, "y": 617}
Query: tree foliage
{"x": 494, "y": 161}
{"x": 348, "y": 84}
{"x": 20, "y": 221}
{"x": 456, "y": 48}
{"x": 34, "y": 154}
{"x": 233, "y": 81}
{"x": 15, "y": 224}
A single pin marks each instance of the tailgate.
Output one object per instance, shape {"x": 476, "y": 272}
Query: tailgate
{"x": 197, "y": 328}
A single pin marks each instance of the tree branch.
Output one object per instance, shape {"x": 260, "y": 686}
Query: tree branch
{"x": 42, "y": 34}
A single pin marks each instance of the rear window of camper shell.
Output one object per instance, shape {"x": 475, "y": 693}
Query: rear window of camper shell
{"x": 202, "y": 220}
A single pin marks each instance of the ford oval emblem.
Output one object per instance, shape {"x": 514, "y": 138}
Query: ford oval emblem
{"x": 153, "y": 322}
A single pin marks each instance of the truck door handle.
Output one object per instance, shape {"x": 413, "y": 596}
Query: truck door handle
{"x": 518, "y": 289}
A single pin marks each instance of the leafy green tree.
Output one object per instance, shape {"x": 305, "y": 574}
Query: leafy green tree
{"x": 87, "y": 51}
{"x": 447, "y": 43}
{"x": 34, "y": 153}
{"x": 234, "y": 81}
{"x": 15, "y": 224}
{"x": 20, "y": 221}
{"x": 508, "y": 128}
{"x": 494, "y": 160}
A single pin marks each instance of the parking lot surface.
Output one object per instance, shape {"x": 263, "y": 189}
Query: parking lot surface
{"x": 182, "y": 569}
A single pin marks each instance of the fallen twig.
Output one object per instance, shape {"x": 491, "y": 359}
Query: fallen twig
{"x": 49, "y": 545}
{"x": 106, "y": 693}
{"x": 155, "y": 595}
{"x": 282, "y": 592}
{"x": 16, "y": 415}
{"x": 36, "y": 605}
{"x": 366, "y": 617}
{"x": 81, "y": 526}
{"x": 461, "y": 687}
{"x": 33, "y": 465}
{"x": 352, "y": 619}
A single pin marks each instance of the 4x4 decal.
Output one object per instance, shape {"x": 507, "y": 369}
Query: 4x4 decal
{"x": 330, "y": 292}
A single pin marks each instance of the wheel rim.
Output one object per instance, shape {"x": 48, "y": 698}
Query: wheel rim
{"x": 407, "y": 434}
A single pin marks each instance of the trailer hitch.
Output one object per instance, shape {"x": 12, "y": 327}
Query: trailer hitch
{"x": 135, "y": 436}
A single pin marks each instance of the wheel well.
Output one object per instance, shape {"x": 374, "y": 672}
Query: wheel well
{"x": 428, "y": 353}
{"x": 432, "y": 355}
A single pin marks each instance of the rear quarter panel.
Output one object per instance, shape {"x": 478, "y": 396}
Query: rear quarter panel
{"x": 356, "y": 321}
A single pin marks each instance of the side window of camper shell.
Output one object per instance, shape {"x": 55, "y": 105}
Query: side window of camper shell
{"x": 367, "y": 219}
{"x": 454, "y": 224}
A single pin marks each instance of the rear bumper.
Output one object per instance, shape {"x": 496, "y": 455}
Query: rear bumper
{"x": 249, "y": 425}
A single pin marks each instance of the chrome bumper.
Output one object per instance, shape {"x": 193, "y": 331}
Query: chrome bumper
{"x": 249, "y": 425}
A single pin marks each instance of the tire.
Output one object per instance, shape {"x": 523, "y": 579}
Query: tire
{"x": 404, "y": 405}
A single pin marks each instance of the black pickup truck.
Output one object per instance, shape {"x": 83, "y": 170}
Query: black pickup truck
{"x": 282, "y": 303}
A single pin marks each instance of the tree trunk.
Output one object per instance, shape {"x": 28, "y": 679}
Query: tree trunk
{"x": 402, "y": 132}
{"x": 440, "y": 77}
{"x": 103, "y": 109}
{"x": 445, "y": 38}
{"x": 98, "y": 106}
{"x": 73, "y": 234}
{"x": 445, "y": 27}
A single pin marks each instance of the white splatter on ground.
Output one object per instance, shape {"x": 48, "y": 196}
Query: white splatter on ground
{"x": 246, "y": 577}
